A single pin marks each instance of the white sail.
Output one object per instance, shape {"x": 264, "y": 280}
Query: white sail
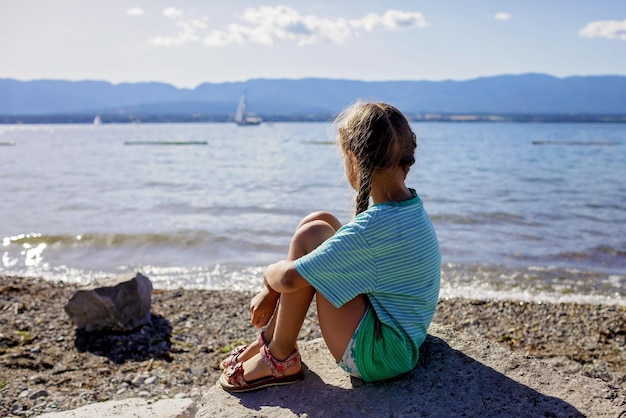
{"x": 240, "y": 115}
{"x": 241, "y": 110}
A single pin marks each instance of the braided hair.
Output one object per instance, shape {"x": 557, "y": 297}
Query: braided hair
{"x": 379, "y": 137}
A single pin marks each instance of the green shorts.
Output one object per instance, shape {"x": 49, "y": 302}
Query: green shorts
{"x": 378, "y": 355}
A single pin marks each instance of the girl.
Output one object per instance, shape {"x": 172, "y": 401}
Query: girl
{"x": 376, "y": 279}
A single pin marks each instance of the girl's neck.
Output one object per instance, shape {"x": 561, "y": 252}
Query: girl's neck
{"x": 388, "y": 186}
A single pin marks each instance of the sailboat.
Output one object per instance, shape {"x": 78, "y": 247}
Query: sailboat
{"x": 241, "y": 118}
{"x": 97, "y": 120}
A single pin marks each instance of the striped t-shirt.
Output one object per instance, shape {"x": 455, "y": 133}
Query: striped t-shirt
{"x": 390, "y": 253}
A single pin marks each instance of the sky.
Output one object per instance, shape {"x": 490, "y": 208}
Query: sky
{"x": 188, "y": 42}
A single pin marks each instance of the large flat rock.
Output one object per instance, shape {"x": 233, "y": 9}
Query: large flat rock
{"x": 458, "y": 375}
{"x": 131, "y": 408}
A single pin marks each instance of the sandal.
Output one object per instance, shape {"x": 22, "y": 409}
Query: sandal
{"x": 232, "y": 379}
{"x": 233, "y": 356}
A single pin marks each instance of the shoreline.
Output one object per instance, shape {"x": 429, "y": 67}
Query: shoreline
{"x": 46, "y": 365}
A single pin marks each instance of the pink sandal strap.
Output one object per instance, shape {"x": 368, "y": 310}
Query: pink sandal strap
{"x": 233, "y": 356}
{"x": 234, "y": 375}
{"x": 278, "y": 367}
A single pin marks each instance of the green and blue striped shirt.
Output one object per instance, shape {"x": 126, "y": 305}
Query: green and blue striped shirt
{"x": 390, "y": 253}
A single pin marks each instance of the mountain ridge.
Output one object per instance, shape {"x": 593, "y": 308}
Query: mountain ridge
{"x": 531, "y": 93}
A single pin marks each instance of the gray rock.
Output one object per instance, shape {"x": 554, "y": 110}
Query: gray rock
{"x": 118, "y": 304}
{"x": 458, "y": 375}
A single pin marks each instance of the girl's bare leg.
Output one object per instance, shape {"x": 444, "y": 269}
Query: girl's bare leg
{"x": 285, "y": 325}
{"x": 295, "y": 251}
{"x": 338, "y": 324}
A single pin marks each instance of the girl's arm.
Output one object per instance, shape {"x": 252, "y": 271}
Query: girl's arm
{"x": 283, "y": 277}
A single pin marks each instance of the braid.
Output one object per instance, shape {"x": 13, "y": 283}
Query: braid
{"x": 365, "y": 188}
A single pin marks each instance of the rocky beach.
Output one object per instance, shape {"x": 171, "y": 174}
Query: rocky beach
{"x": 46, "y": 365}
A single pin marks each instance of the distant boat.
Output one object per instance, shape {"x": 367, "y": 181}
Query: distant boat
{"x": 241, "y": 118}
{"x": 97, "y": 120}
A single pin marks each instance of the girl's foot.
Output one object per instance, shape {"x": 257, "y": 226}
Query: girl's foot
{"x": 243, "y": 352}
{"x": 264, "y": 371}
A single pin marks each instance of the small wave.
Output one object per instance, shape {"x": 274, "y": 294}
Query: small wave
{"x": 578, "y": 143}
{"x": 603, "y": 255}
{"x": 483, "y": 218}
{"x": 535, "y": 283}
{"x": 103, "y": 240}
{"x": 543, "y": 180}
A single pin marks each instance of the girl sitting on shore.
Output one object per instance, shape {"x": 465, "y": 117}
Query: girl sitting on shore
{"x": 376, "y": 279}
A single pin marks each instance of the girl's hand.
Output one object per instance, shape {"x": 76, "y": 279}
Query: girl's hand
{"x": 262, "y": 307}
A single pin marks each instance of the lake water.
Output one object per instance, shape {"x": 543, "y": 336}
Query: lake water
{"x": 522, "y": 211}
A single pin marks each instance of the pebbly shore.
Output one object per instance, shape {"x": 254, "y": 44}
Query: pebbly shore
{"x": 47, "y": 365}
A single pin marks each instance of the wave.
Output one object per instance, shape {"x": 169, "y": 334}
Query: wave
{"x": 603, "y": 258}
{"x": 602, "y": 255}
{"x": 182, "y": 239}
{"x": 532, "y": 283}
{"x": 483, "y": 218}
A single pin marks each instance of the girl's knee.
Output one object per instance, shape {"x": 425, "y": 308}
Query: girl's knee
{"x": 311, "y": 234}
{"x": 324, "y": 216}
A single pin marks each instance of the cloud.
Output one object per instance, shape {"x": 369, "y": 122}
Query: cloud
{"x": 172, "y": 12}
{"x": 135, "y": 11}
{"x": 188, "y": 29}
{"x": 502, "y": 16}
{"x": 267, "y": 25}
{"x": 608, "y": 29}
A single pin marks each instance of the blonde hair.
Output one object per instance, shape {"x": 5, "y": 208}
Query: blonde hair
{"x": 379, "y": 137}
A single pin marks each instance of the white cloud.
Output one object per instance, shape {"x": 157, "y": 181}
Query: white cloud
{"x": 188, "y": 29}
{"x": 135, "y": 11}
{"x": 608, "y": 29}
{"x": 502, "y": 16}
{"x": 267, "y": 25}
{"x": 390, "y": 20}
{"x": 172, "y": 12}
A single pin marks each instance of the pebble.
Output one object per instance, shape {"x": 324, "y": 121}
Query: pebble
{"x": 17, "y": 408}
{"x": 138, "y": 381}
{"x": 151, "y": 380}
{"x": 197, "y": 371}
{"x": 38, "y": 394}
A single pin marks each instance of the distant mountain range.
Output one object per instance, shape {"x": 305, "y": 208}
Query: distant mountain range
{"x": 506, "y": 94}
